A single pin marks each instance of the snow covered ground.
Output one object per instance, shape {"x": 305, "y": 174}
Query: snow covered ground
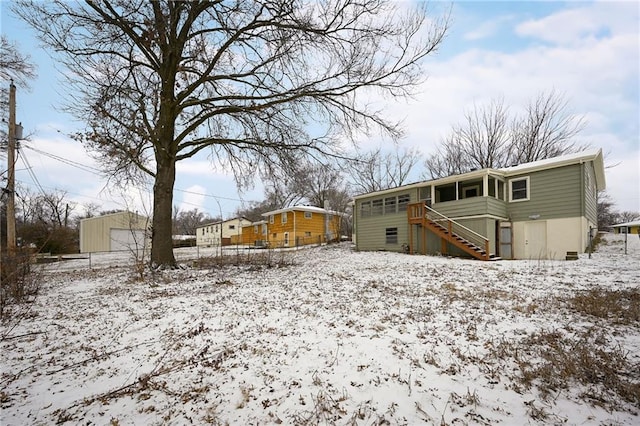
{"x": 328, "y": 336}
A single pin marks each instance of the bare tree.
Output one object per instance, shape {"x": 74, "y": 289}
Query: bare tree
{"x": 546, "y": 130}
{"x": 186, "y": 222}
{"x": 46, "y": 221}
{"x": 489, "y": 137}
{"x": 158, "y": 82}
{"x": 14, "y": 66}
{"x": 628, "y": 216}
{"x": 376, "y": 170}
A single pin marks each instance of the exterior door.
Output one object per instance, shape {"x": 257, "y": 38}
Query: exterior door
{"x": 535, "y": 240}
{"x": 504, "y": 239}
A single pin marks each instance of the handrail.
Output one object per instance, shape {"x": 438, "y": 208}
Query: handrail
{"x": 480, "y": 240}
{"x": 471, "y": 235}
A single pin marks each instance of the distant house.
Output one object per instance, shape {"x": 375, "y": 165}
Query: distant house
{"x": 254, "y": 234}
{"x": 301, "y": 225}
{"x": 114, "y": 232}
{"x": 537, "y": 210}
{"x": 220, "y": 233}
{"x": 627, "y": 228}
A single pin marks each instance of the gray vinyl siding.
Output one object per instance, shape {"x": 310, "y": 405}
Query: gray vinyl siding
{"x": 472, "y": 207}
{"x": 553, "y": 193}
{"x": 371, "y": 230}
{"x": 590, "y": 193}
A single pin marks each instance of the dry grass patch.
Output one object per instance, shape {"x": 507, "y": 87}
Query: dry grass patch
{"x": 617, "y": 306}
{"x": 552, "y": 362}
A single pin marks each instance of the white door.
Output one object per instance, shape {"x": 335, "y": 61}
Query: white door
{"x": 535, "y": 240}
{"x": 126, "y": 239}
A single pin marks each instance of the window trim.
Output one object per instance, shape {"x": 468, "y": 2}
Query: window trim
{"x": 283, "y": 217}
{"x": 271, "y": 219}
{"x": 527, "y": 189}
{"x": 308, "y": 215}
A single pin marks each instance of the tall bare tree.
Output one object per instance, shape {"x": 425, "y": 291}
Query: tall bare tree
{"x": 185, "y": 222}
{"x": 546, "y": 130}
{"x": 490, "y": 137}
{"x": 378, "y": 170}
{"x": 480, "y": 142}
{"x": 158, "y": 82}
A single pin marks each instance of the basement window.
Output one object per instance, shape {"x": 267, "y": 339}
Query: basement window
{"x": 391, "y": 235}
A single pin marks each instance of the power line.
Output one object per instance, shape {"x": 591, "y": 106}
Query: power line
{"x": 97, "y": 172}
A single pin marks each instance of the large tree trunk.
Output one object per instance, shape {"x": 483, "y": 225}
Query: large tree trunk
{"x": 161, "y": 234}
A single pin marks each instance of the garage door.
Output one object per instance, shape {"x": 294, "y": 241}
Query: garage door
{"x": 126, "y": 239}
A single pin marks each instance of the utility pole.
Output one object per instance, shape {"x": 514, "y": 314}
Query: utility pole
{"x": 11, "y": 178}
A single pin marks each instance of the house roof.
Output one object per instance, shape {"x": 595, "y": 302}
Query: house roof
{"x": 122, "y": 213}
{"x": 632, "y": 223}
{"x": 594, "y": 155}
{"x": 311, "y": 209}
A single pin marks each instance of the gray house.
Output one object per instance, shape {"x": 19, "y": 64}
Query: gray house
{"x": 538, "y": 210}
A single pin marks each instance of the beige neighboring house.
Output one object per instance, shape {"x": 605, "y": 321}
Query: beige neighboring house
{"x": 220, "y": 233}
{"x": 120, "y": 231}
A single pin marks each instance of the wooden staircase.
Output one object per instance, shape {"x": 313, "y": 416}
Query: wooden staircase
{"x": 449, "y": 231}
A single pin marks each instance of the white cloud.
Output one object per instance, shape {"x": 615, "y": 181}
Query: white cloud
{"x": 583, "y": 24}
{"x": 193, "y": 198}
{"x": 488, "y": 28}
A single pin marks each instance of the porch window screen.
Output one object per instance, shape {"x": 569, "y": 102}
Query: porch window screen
{"x": 403, "y": 201}
{"x": 390, "y": 205}
{"x": 376, "y": 207}
{"x": 365, "y": 209}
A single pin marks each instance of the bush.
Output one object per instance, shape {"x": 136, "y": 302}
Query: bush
{"x": 17, "y": 283}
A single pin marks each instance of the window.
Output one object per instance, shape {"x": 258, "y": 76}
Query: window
{"x": 392, "y": 235}
{"x": 403, "y": 201}
{"x": 425, "y": 195}
{"x": 232, "y": 227}
{"x": 519, "y": 189}
{"x": 271, "y": 219}
{"x": 255, "y": 229}
{"x": 376, "y": 207}
{"x": 308, "y": 215}
{"x": 203, "y": 229}
{"x": 307, "y": 234}
{"x": 365, "y": 209}
{"x": 264, "y": 229}
{"x": 470, "y": 191}
{"x": 283, "y": 217}
{"x": 390, "y": 205}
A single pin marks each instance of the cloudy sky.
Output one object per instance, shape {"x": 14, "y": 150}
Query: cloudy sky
{"x": 587, "y": 51}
